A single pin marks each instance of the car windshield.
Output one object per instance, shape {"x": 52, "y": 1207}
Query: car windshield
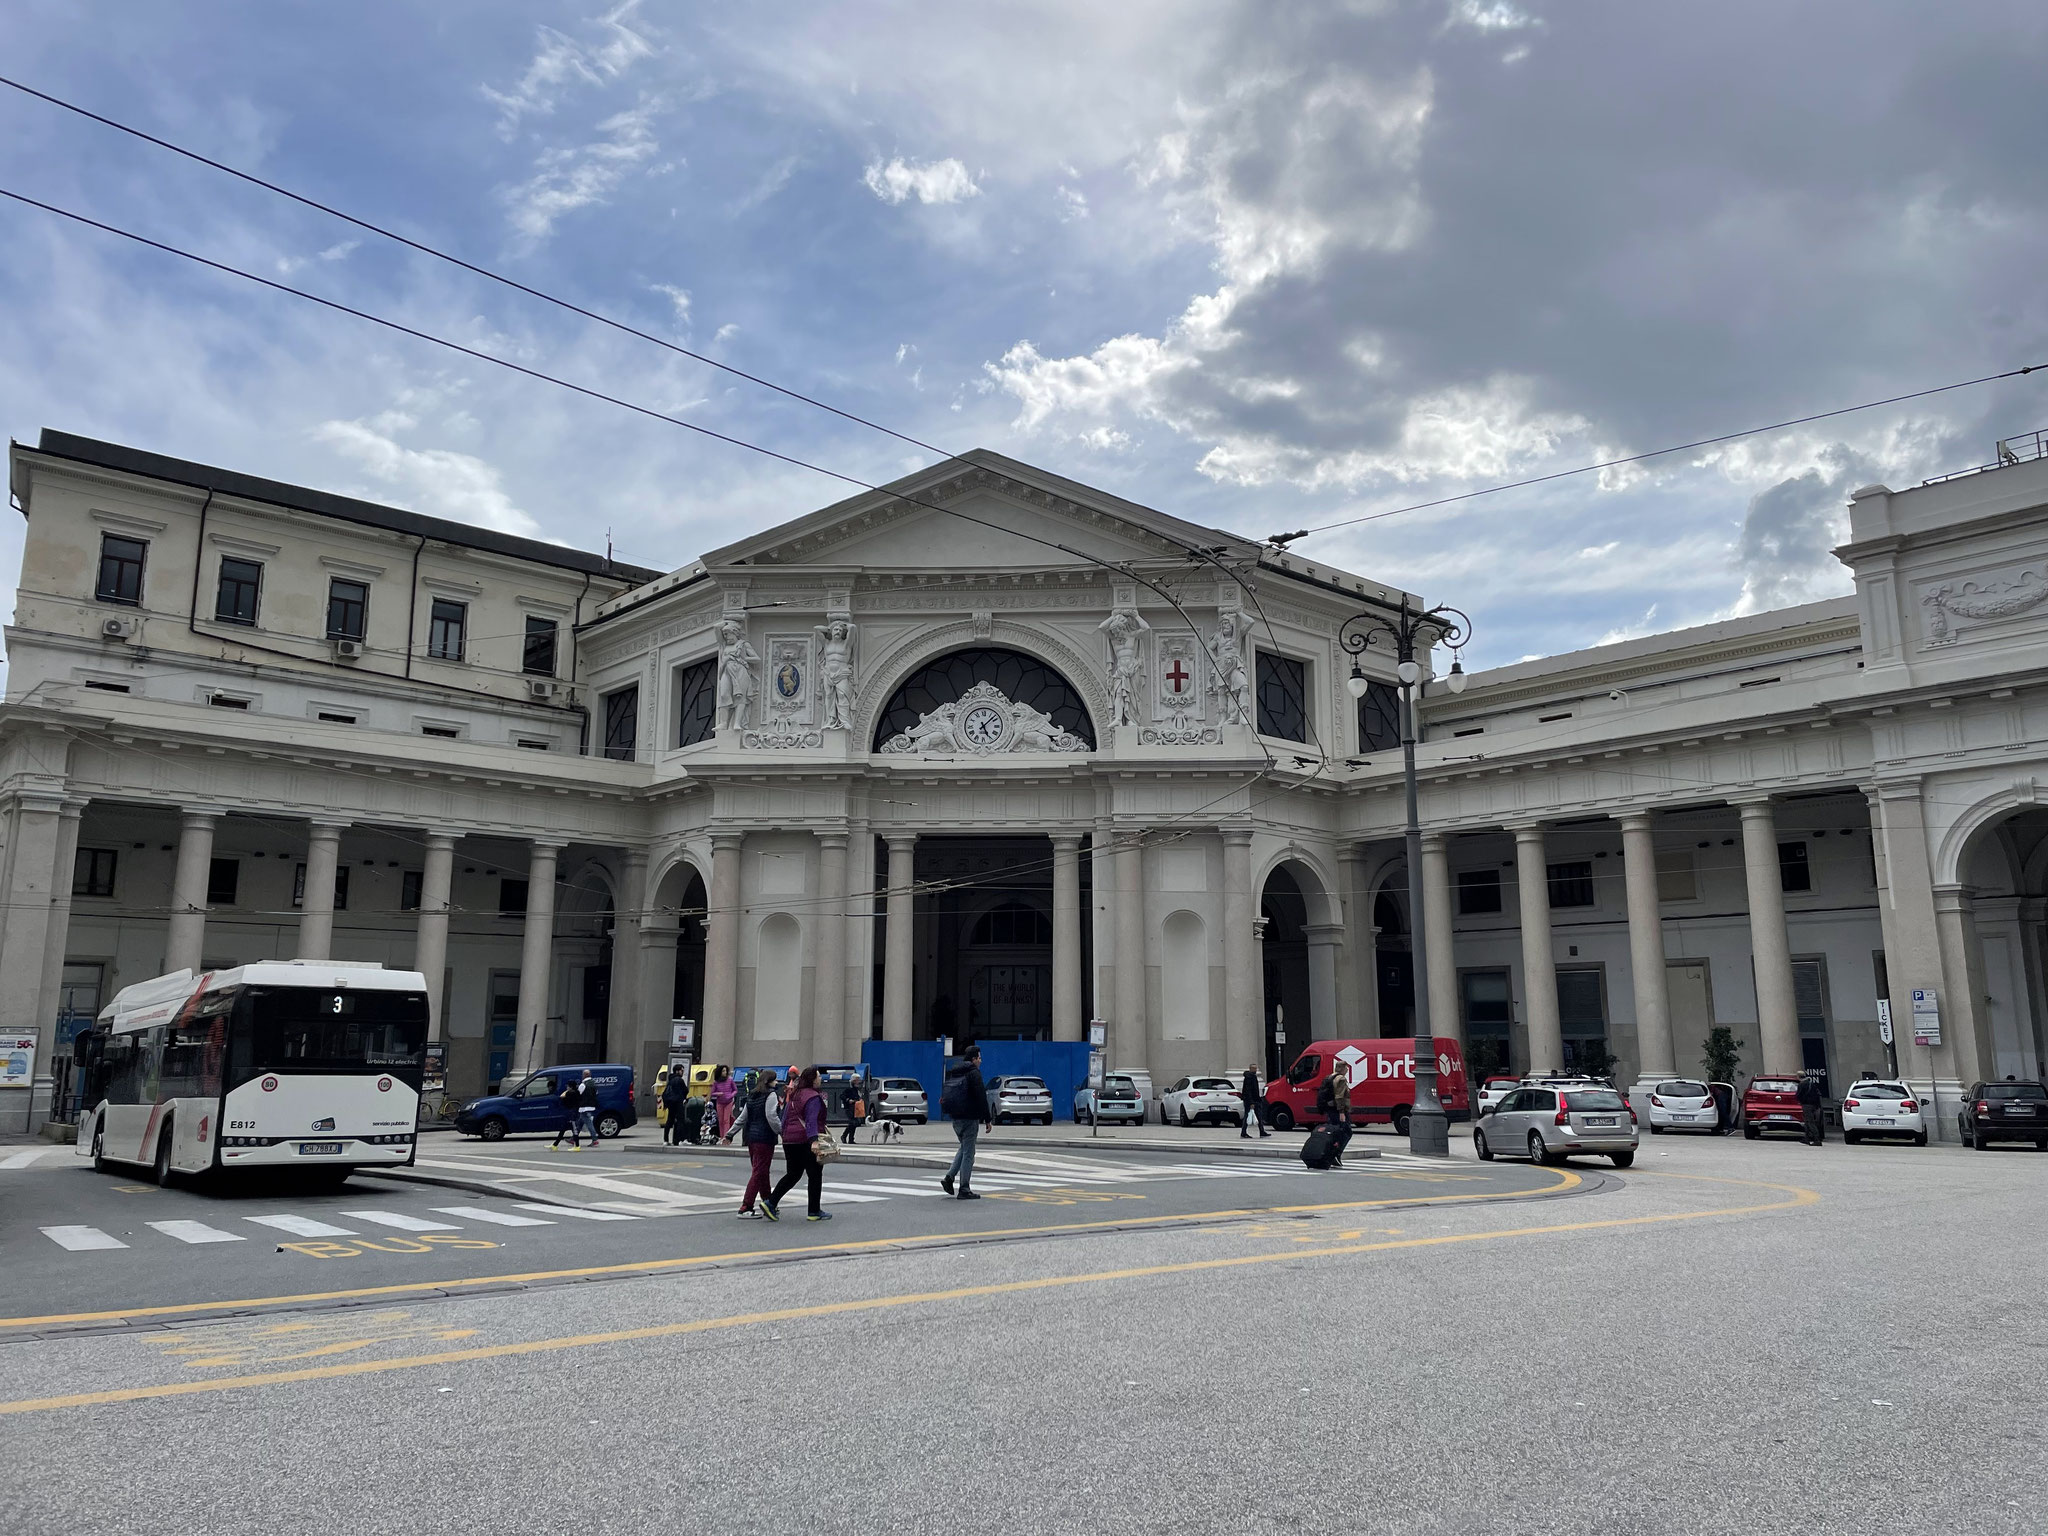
{"x": 1593, "y": 1099}
{"x": 1022, "y": 1085}
{"x": 902, "y": 1085}
{"x": 2014, "y": 1091}
{"x": 1682, "y": 1089}
{"x": 1121, "y": 1087}
{"x": 1214, "y": 1082}
{"x": 1880, "y": 1091}
{"x": 1774, "y": 1085}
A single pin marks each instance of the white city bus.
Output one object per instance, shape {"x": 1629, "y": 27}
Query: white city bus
{"x": 307, "y": 1064}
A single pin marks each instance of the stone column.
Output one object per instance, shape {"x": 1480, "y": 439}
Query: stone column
{"x": 58, "y": 936}
{"x": 1654, "y": 1050}
{"x": 1128, "y": 1044}
{"x": 185, "y": 939}
{"x": 536, "y": 958}
{"x": 1446, "y": 1006}
{"x": 1324, "y": 940}
{"x": 1244, "y": 978}
{"x": 430, "y": 941}
{"x": 1912, "y": 939}
{"x": 1356, "y": 997}
{"x": 626, "y": 1019}
{"x": 718, "y": 1030}
{"x": 1102, "y": 918}
{"x": 828, "y": 1008}
{"x": 1066, "y": 936}
{"x": 30, "y": 893}
{"x": 1770, "y": 947}
{"x": 1539, "y": 963}
{"x": 899, "y": 962}
{"x": 1965, "y": 1021}
{"x": 316, "y": 904}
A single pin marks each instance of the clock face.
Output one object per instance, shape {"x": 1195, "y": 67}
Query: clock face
{"x": 982, "y": 726}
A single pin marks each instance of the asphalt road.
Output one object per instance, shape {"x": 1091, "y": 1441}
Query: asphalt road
{"x": 1762, "y": 1337}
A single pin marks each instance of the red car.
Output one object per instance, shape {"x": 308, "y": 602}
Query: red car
{"x": 1772, "y": 1104}
{"x": 1382, "y": 1076}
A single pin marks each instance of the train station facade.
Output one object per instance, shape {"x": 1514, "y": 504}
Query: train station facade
{"x": 990, "y": 753}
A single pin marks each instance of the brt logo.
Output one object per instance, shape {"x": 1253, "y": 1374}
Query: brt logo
{"x": 1361, "y": 1066}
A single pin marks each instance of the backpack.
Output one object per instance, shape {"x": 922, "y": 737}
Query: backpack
{"x": 953, "y": 1096}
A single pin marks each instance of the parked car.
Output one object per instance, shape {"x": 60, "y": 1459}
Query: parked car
{"x": 1682, "y": 1103}
{"x": 899, "y": 1098}
{"x": 1019, "y": 1098}
{"x": 1874, "y": 1107}
{"x": 2007, "y": 1111}
{"x": 1494, "y": 1089}
{"x": 1772, "y": 1104}
{"x": 533, "y": 1105}
{"x": 1382, "y": 1082}
{"x": 1548, "y": 1124}
{"x": 1120, "y": 1100}
{"x": 1205, "y": 1099}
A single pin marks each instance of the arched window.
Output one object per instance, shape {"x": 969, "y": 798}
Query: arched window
{"x": 1021, "y": 679}
{"x": 1012, "y": 923}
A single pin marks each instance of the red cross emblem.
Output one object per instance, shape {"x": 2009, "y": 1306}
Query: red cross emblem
{"x": 1177, "y": 675}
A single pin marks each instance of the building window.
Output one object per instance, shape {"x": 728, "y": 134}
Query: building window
{"x": 340, "y": 887}
{"x": 241, "y": 581}
{"x": 445, "y": 626}
{"x": 1488, "y": 1012}
{"x": 120, "y": 569}
{"x": 1794, "y": 873}
{"x": 1283, "y": 697}
{"x": 93, "y": 872}
{"x": 226, "y": 701}
{"x": 1379, "y": 719}
{"x": 335, "y": 717}
{"x": 1571, "y": 885}
{"x": 409, "y": 883}
{"x": 538, "y": 659}
{"x": 1478, "y": 891}
{"x": 222, "y": 878}
{"x": 1012, "y": 923}
{"x": 1677, "y": 879}
{"x": 348, "y": 605}
{"x": 446, "y": 732}
{"x": 511, "y": 898}
{"x": 621, "y": 724}
{"x": 531, "y": 743}
{"x": 1582, "y": 1019}
{"x": 697, "y": 702}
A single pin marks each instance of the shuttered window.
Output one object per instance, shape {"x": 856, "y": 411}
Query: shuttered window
{"x": 1581, "y": 1004}
{"x": 1809, "y": 995}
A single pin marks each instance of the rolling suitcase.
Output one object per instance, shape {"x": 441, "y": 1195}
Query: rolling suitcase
{"x": 1320, "y": 1150}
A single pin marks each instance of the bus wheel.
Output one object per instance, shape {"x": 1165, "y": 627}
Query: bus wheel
{"x": 493, "y": 1129}
{"x": 608, "y": 1125}
{"x": 163, "y": 1159}
{"x": 1283, "y": 1118}
{"x": 99, "y": 1153}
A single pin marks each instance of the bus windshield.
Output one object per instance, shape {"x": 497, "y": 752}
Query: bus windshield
{"x": 307, "y": 1030}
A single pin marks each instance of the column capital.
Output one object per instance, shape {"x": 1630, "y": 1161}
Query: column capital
{"x": 900, "y": 839}
{"x": 1434, "y": 840}
{"x": 830, "y": 839}
{"x": 440, "y": 841}
{"x": 328, "y": 825}
{"x": 1323, "y": 933}
{"x": 550, "y": 845}
{"x": 723, "y": 841}
{"x": 74, "y": 806}
{"x": 1955, "y": 898}
{"x": 1237, "y": 837}
{"x": 1526, "y": 831}
{"x": 1896, "y": 789}
{"x": 1636, "y": 821}
{"x": 1066, "y": 842}
{"x": 194, "y": 814}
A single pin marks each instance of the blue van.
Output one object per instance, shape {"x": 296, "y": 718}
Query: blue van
{"x": 533, "y": 1105}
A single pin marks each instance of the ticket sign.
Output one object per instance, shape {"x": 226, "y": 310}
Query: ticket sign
{"x": 1884, "y": 1020}
{"x": 1926, "y": 1016}
{"x": 18, "y": 1060}
{"x": 682, "y": 1035}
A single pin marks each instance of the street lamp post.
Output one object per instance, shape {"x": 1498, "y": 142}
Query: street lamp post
{"x": 1429, "y": 1132}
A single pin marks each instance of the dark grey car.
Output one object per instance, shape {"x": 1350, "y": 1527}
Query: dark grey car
{"x": 1547, "y": 1125}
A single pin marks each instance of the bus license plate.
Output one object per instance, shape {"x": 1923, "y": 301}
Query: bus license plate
{"x": 319, "y": 1148}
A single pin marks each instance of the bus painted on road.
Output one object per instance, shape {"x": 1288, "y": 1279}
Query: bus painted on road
{"x": 304, "y": 1064}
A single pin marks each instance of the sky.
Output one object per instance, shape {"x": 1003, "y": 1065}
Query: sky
{"x": 1263, "y": 267}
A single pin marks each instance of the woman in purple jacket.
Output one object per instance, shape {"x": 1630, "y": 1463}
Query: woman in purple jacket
{"x": 803, "y": 1120}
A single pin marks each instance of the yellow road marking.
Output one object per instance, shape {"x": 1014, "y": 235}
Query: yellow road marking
{"x": 1566, "y": 1181}
{"x": 1797, "y": 1197}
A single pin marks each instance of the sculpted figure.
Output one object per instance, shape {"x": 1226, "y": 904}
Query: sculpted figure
{"x": 737, "y": 683}
{"x": 1227, "y": 676}
{"x": 1126, "y": 671}
{"x": 835, "y": 651}
{"x": 934, "y": 733}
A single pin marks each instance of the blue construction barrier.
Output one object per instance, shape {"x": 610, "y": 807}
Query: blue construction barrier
{"x": 921, "y": 1059}
{"x": 1062, "y": 1065}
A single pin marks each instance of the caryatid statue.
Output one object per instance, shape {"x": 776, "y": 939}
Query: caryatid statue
{"x": 835, "y": 663}
{"x": 737, "y": 683}
{"x": 1227, "y": 675}
{"x": 1126, "y": 669}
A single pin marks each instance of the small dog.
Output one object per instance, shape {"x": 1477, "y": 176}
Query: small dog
{"x": 883, "y": 1131}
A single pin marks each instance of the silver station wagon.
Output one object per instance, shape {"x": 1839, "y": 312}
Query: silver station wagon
{"x": 1547, "y": 1125}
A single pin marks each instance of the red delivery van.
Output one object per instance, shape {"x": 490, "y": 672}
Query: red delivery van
{"x": 1382, "y": 1076}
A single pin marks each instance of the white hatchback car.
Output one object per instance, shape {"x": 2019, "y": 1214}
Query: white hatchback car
{"x": 1681, "y": 1103}
{"x": 1019, "y": 1098}
{"x": 898, "y": 1098}
{"x": 1876, "y": 1107}
{"x": 1202, "y": 1098}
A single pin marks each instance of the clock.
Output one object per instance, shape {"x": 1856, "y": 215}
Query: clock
{"x": 982, "y": 728}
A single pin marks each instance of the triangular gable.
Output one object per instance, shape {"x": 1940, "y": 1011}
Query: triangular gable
{"x": 1011, "y": 515}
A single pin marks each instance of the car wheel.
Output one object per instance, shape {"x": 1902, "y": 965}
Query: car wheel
{"x": 162, "y": 1171}
{"x": 1538, "y": 1152}
{"x": 1479, "y": 1146}
{"x": 1400, "y": 1122}
{"x": 1185, "y": 1122}
{"x": 1622, "y": 1159}
{"x": 1850, "y": 1138}
{"x": 1283, "y": 1118}
{"x": 1920, "y": 1139}
{"x": 1750, "y": 1133}
{"x": 608, "y": 1125}
{"x": 493, "y": 1129}
{"x": 1656, "y": 1129}
{"x": 920, "y": 1120}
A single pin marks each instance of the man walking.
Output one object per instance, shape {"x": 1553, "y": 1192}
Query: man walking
{"x": 964, "y": 1101}
{"x": 1809, "y": 1103}
{"x": 569, "y": 1098}
{"x": 1254, "y": 1105}
{"x": 586, "y": 1108}
{"x": 674, "y": 1094}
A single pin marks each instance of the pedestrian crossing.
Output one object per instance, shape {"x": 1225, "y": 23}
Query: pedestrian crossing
{"x": 82, "y": 1239}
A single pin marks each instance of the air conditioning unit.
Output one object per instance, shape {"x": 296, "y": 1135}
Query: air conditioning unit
{"x": 542, "y": 687}
{"x": 348, "y": 650}
{"x": 119, "y": 629}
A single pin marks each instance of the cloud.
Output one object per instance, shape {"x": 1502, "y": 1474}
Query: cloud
{"x": 935, "y": 181}
{"x": 1786, "y": 552}
{"x": 582, "y": 175}
{"x": 561, "y": 64}
{"x": 772, "y": 181}
{"x": 437, "y": 481}
{"x": 679, "y": 301}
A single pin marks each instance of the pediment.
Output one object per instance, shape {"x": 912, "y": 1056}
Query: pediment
{"x": 981, "y": 512}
